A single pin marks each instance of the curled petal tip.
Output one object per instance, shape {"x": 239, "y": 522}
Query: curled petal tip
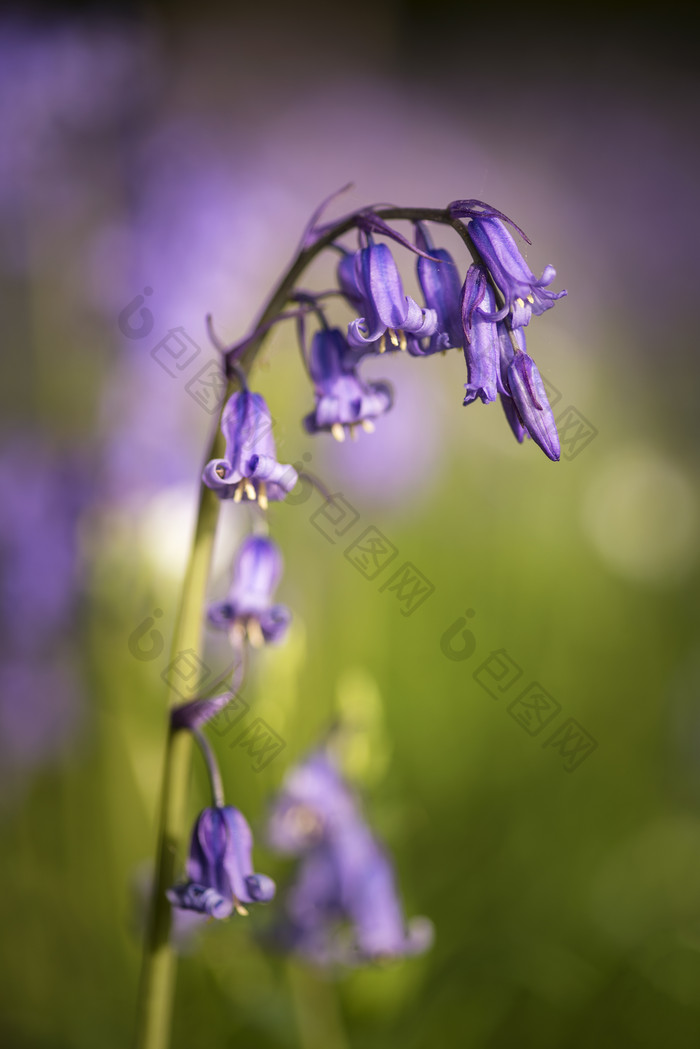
{"x": 260, "y": 888}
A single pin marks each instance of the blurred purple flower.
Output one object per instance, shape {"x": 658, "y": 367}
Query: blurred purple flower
{"x": 248, "y": 609}
{"x": 43, "y": 496}
{"x": 41, "y": 709}
{"x": 342, "y": 398}
{"x": 219, "y": 867}
{"x": 148, "y": 443}
{"x": 64, "y": 89}
{"x": 343, "y": 906}
{"x": 249, "y": 469}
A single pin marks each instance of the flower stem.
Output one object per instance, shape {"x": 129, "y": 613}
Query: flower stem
{"x": 157, "y": 984}
{"x": 215, "y": 784}
{"x": 159, "y": 961}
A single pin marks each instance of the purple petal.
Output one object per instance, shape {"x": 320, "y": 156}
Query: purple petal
{"x": 194, "y": 897}
{"x": 274, "y": 623}
{"x": 441, "y": 289}
{"x": 261, "y": 889}
{"x": 419, "y": 322}
{"x": 265, "y": 468}
{"x": 530, "y": 398}
{"x": 219, "y": 476}
{"x": 347, "y": 279}
{"x": 482, "y": 347}
{"x": 385, "y": 303}
{"x": 246, "y": 885}
{"x": 256, "y": 573}
{"x": 524, "y": 294}
{"x": 476, "y": 209}
{"x": 514, "y": 420}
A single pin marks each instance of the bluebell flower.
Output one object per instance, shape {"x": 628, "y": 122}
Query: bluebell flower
{"x": 314, "y": 803}
{"x": 343, "y": 905}
{"x": 507, "y": 337}
{"x": 248, "y": 608}
{"x": 441, "y": 287}
{"x": 342, "y": 398}
{"x": 530, "y": 400}
{"x": 249, "y": 469}
{"x": 352, "y": 290}
{"x": 386, "y": 310}
{"x": 524, "y": 294}
{"x": 347, "y": 280}
{"x": 498, "y": 365}
{"x": 481, "y": 341}
{"x": 219, "y": 868}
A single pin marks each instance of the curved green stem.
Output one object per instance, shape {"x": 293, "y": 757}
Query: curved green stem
{"x": 156, "y": 990}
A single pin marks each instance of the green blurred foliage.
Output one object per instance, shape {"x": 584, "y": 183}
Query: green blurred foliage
{"x": 565, "y": 903}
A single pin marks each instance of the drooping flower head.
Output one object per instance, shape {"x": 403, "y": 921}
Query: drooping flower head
{"x": 219, "y": 867}
{"x": 343, "y": 906}
{"x": 441, "y": 289}
{"x": 481, "y": 345}
{"x": 386, "y": 310}
{"x": 249, "y": 469}
{"x": 347, "y": 280}
{"x": 342, "y": 398}
{"x": 530, "y": 400}
{"x": 524, "y": 294}
{"x": 498, "y": 364}
{"x": 248, "y": 609}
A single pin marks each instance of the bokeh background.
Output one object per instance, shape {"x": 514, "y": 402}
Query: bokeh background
{"x": 181, "y": 150}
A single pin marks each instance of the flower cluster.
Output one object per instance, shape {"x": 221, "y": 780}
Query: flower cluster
{"x": 484, "y": 314}
{"x": 494, "y": 340}
{"x": 343, "y": 905}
